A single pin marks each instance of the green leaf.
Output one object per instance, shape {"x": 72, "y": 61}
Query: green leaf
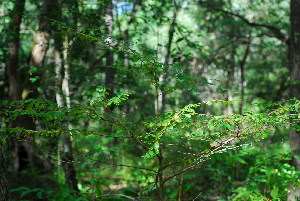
{"x": 188, "y": 116}
{"x": 25, "y": 193}
{"x": 297, "y": 156}
{"x": 5, "y": 102}
{"x": 156, "y": 147}
{"x": 274, "y": 192}
{"x": 39, "y": 194}
{"x": 19, "y": 189}
{"x": 240, "y": 160}
{"x": 149, "y": 154}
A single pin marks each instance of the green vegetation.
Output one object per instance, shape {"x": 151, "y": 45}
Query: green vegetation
{"x": 150, "y": 100}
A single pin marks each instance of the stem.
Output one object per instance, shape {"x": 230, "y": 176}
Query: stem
{"x": 180, "y": 184}
{"x": 160, "y": 175}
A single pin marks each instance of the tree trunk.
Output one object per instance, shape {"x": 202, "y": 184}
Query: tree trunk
{"x": 229, "y": 83}
{"x": 242, "y": 70}
{"x": 15, "y": 83}
{"x": 125, "y": 38}
{"x": 161, "y": 98}
{"x": 67, "y": 162}
{"x": 4, "y": 194}
{"x": 110, "y": 71}
{"x": 38, "y": 52}
{"x": 12, "y": 65}
{"x": 167, "y": 59}
{"x": 294, "y": 58}
{"x": 160, "y": 176}
{"x": 160, "y": 103}
{"x": 23, "y": 150}
{"x": 62, "y": 95}
{"x": 63, "y": 99}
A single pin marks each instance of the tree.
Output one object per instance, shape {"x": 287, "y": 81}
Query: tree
{"x": 294, "y": 58}
{"x": 15, "y": 86}
{"x": 110, "y": 70}
{"x": 137, "y": 99}
{"x": 4, "y": 192}
{"x": 62, "y": 94}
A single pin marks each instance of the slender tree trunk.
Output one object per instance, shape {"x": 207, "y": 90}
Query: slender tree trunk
{"x": 58, "y": 54}
{"x": 4, "y": 194}
{"x": 160, "y": 175}
{"x": 242, "y": 70}
{"x": 110, "y": 71}
{"x": 181, "y": 183}
{"x": 160, "y": 102}
{"x": 63, "y": 99}
{"x": 12, "y": 65}
{"x": 62, "y": 95}
{"x": 15, "y": 83}
{"x": 125, "y": 38}
{"x": 38, "y": 52}
{"x": 132, "y": 18}
{"x": 162, "y": 106}
{"x": 230, "y": 80}
{"x": 170, "y": 38}
{"x": 294, "y": 58}
{"x": 15, "y": 88}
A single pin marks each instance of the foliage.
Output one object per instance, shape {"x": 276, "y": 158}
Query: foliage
{"x": 163, "y": 125}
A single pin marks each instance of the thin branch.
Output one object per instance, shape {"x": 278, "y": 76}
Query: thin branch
{"x": 276, "y": 31}
{"x": 116, "y": 195}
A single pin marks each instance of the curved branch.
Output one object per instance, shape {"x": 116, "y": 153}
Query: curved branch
{"x": 116, "y": 195}
{"x": 274, "y": 30}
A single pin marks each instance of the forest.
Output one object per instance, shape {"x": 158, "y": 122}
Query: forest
{"x": 150, "y": 100}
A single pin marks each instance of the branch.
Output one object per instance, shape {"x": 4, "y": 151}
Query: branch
{"x": 115, "y": 164}
{"x": 117, "y": 195}
{"x": 218, "y": 148}
{"x": 276, "y": 31}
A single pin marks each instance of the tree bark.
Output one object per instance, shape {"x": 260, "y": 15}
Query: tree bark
{"x": 110, "y": 71}
{"x": 167, "y": 58}
{"x": 230, "y": 80}
{"x": 294, "y": 59}
{"x": 37, "y": 57}
{"x": 67, "y": 162}
{"x": 4, "y": 194}
{"x": 125, "y": 38}
{"x": 242, "y": 69}
{"x": 161, "y": 99}
{"x": 67, "y": 157}
{"x": 160, "y": 174}
{"x": 12, "y": 65}
{"x": 62, "y": 95}
{"x": 160, "y": 102}
{"x": 15, "y": 86}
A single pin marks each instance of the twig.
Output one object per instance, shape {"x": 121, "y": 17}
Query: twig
{"x": 110, "y": 195}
